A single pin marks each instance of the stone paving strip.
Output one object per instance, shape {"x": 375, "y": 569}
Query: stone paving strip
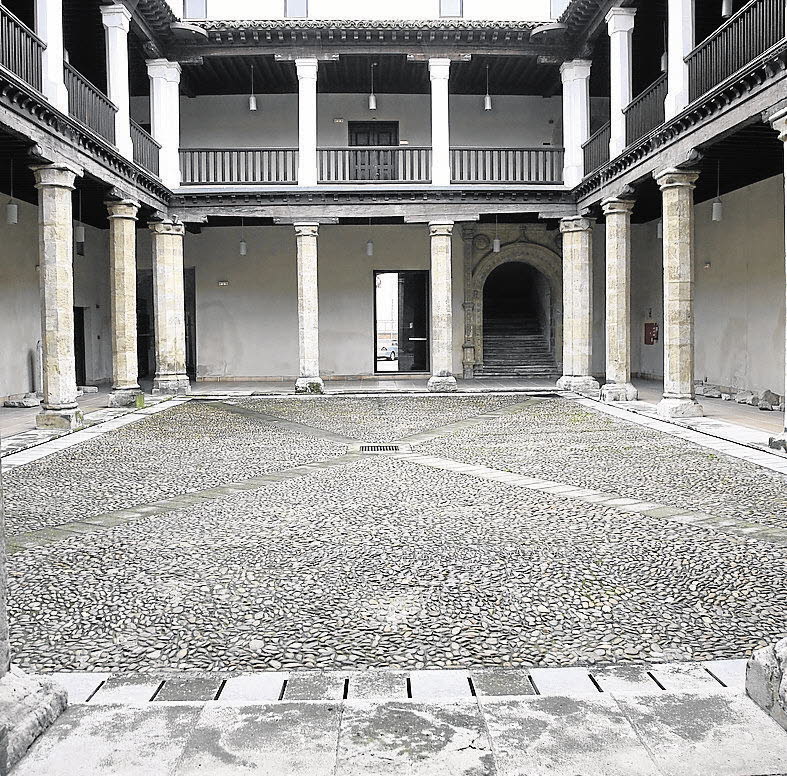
{"x": 742, "y": 529}
{"x": 662, "y": 720}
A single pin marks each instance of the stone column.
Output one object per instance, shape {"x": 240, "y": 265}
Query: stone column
{"x": 123, "y": 291}
{"x": 309, "y": 380}
{"x": 165, "y": 117}
{"x": 442, "y": 305}
{"x": 439, "y": 70}
{"x": 680, "y": 41}
{"x": 620, "y": 26}
{"x": 575, "y": 76}
{"x": 618, "y": 233}
{"x": 49, "y": 27}
{"x": 779, "y": 123}
{"x": 307, "y": 121}
{"x": 55, "y": 182}
{"x": 577, "y": 305}
{"x": 116, "y": 19}
{"x": 677, "y": 188}
{"x": 169, "y": 308}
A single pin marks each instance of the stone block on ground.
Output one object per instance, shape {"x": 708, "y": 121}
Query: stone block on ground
{"x": 744, "y": 397}
{"x": 22, "y": 400}
{"x": 88, "y": 388}
{"x": 766, "y": 680}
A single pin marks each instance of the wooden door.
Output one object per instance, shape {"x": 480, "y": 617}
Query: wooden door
{"x": 376, "y": 163}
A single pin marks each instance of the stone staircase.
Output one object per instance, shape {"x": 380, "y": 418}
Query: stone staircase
{"x": 515, "y": 346}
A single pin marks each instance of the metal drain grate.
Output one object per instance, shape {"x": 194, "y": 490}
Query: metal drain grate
{"x": 380, "y": 448}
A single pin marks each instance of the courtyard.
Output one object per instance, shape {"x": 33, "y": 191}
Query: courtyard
{"x": 495, "y": 531}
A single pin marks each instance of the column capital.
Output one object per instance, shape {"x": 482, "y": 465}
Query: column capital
{"x": 620, "y": 20}
{"x": 613, "y": 206}
{"x": 439, "y": 69}
{"x": 673, "y": 177}
{"x": 441, "y": 228}
{"x": 116, "y": 16}
{"x": 167, "y": 227}
{"x": 59, "y": 175}
{"x": 306, "y": 228}
{"x": 124, "y": 208}
{"x": 779, "y": 122}
{"x": 164, "y": 69}
{"x": 575, "y": 224}
{"x": 576, "y": 69}
{"x": 306, "y": 67}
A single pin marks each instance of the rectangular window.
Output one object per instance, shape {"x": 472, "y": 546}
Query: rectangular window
{"x": 451, "y": 8}
{"x": 195, "y": 9}
{"x": 296, "y": 9}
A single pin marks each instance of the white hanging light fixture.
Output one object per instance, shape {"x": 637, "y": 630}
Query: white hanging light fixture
{"x": 718, "y": 207}
{"x": 243, "y": 247}
{"x": 496, "y": 244}
{"x": 726, "y": 9}
{"x": 79, "y": 229}
{"x": 11, "y": 209}
{"x": 664, "y": 57}
{"x": 252, "y": 96}
{"x": 660, "y": 229}
{"x": 372, "y": 95}
{"x": 487, "y": 97}
{"x": 370, "y": 242}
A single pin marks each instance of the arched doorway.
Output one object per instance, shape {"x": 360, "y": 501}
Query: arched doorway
{"x": 518, "y": 314}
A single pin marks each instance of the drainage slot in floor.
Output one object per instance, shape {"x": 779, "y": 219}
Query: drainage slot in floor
{"x": 380, "y": 448}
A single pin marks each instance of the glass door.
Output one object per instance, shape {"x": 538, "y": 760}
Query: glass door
{"x": 401, "y": 331}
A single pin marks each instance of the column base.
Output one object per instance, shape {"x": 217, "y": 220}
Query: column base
{"x": 309, "y": 385}
{"x": 778, "y": 442}
{"x": 63, "y": 420}
{"x": 615, "y": 392}
{"x": 443, "y": 383}
{"x": 578, "y": 384}
{"x": 28, "y": 706}
{"x": 680, "y": 408}
{"x": 173, "y": 385}
{"x": 124, "y": 397}
{"x": 766, "y": 685}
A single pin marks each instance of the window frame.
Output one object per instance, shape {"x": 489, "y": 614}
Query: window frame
{"x": 459, "y": 15}
{"x": 304, "y": 15}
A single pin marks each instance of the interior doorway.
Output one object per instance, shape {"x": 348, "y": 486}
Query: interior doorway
{"x": 401, "y": 314}
{"x": 376, "y": 163}
{"x": 80, "y": 341}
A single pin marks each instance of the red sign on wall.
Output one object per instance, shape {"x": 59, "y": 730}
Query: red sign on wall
{"x": 651, "y": 333}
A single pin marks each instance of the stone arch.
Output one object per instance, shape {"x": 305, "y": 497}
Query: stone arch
{"x": 546, "y": 261}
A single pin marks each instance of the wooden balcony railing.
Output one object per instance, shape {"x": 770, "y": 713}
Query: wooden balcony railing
{"x": 238, "y": 165}
{"x": 596, "y": 149}
{"x": 372, "y": 164}
{"x": 88, "y": 105}
{"x": 146, "y": 149}
{"x": 646, "y": 111}
{"x": 20, "y": 49}
{"x": 507, "y": 165}
{"x": 742, "y": 38}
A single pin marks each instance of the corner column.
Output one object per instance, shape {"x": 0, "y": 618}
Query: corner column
{"x": 309, "y": 380}
{"x": 577, "y": 305}
{"x": 442, "y": 379}
{"x": 169, "y": 308}
{"x": 116, "y": 20}
{"x": 575, "y": 76}
{"x": 439, "y": 71}
{"x": 680, "y": 42}
{"x": 620, "y": 26}
{"x": 55, "y": 182}
{"x": 307, "y": 121}
{"x": 618, "y": 233}
{"x": 49, "y": 27}
{"x": 165, "y": 117}
{"x": 123, "y": 293}
{"x": 677, "y": 187}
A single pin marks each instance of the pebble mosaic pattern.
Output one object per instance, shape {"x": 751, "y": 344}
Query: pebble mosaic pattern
{"x": 382, "y": 562}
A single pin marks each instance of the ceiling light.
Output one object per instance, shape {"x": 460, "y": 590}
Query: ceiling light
{"x": 717, "y": 212}
{"x": 487, "y": 97}
{"x": 252, "y": 96}
{"x": 726, "y": 9}
{"x": 372, "y": 95}
{"x": 11, "y": 209}
{"x": 243, "y": 246}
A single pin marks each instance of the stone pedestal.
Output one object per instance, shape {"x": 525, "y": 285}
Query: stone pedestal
{"x": 309, "y": 380}
{"x": 170, "y": 334}
{"x": 55, "y": 243}
{"x": 123, "y": 297}
{"x": 577, "y": 306}
{"x": 618, "y": 235}
{"x": 442, "y": 379}
{"x": 677, "y": 188}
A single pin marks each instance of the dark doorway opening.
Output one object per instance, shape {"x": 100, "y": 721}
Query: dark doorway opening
{"x": 401, "y": 314}
{"x": 370, "y": 158}
{"x": 518, "y": 329}
{"x": 80, "y": 357}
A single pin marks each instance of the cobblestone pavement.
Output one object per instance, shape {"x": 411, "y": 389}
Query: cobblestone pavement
{"x": 384, "y": 562}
